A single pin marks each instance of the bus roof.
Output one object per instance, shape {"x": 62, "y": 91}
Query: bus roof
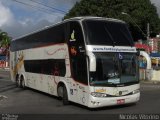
{"x": 81, "y": 18}
{"x": 94, "y": 18}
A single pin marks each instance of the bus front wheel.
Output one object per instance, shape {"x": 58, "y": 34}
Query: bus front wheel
{"x": 65, "y": 96}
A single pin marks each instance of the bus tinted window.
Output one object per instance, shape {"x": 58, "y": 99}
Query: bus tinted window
{"x": 55, "y": 34}
{"x": 102, "y": 32}
{"x": 51, "y": 35}
{"x": 79, "y": 66}
{"x": 54, "y": 67}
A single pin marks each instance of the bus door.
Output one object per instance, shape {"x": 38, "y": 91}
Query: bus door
{"x": 78, "y": 61}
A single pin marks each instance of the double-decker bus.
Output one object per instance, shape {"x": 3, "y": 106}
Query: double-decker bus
{"x": 91, "y": 61}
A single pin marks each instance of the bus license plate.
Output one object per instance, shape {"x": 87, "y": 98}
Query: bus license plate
{"x": 120, "y": 101}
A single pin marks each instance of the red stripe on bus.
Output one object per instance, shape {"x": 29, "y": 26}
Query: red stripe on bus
{"x": 50, "y": 44}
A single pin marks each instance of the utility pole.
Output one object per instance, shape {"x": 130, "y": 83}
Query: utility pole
{"x": 148, "y": 35}
{"x": 123, "y": 13}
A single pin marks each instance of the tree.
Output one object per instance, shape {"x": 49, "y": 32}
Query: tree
{"x": 4, "y": 39}
{"x": 138, "y": 12}
{"x": 5, "y": 43}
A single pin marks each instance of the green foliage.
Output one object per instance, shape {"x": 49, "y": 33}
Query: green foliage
{"x": 140, "y": 11}
{"x": 4, "y": 39}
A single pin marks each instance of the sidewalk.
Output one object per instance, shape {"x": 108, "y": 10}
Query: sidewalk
{"x": 5, "y": 69}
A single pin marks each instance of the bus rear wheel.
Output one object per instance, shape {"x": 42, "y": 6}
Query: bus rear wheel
{"x": 22, "y": 82}
{"x": 17, "y": 81}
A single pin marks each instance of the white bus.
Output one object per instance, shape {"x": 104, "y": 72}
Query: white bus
{"x": 91, "y": 61}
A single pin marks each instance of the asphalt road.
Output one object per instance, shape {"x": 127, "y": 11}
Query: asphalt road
{"x": 18, "y": 101}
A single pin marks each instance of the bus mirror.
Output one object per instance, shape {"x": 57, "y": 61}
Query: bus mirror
{"x": 92, "y": 63}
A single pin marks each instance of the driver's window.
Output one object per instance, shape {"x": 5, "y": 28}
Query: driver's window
{"x": 77, "y": 56}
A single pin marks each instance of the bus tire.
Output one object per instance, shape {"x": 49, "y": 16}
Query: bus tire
{"x": 65, "y": 96}
{"x": 60, "y": 92}
{"x": 22, "y": 82}
{"x": 17, "y": 81}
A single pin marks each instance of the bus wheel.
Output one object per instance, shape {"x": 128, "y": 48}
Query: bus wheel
{"x": 60, "y": 92}
{"x": 65, "y": 96}
{"x": 22, "y": 82}
{"x": 17, "y": 81}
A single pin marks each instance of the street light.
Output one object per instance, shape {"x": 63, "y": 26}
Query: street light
{"x": 123, "y": 13}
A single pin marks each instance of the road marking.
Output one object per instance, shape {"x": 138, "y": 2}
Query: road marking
{"x": 3, "y": 97}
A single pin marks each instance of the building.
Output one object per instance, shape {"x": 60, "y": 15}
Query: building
{"x": 3, "y": 58}
{"x": 158, "y": 45}
{"x": 3, "y": 63}
{"x": 154, "y": 43}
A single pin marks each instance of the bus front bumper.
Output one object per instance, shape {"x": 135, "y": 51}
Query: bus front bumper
{"x": 96, "y": 102}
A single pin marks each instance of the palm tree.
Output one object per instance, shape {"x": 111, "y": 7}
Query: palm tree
{"x": 4, "y": 39}
{"x": 5, "y": 43}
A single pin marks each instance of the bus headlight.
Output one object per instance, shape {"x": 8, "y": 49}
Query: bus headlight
{"x": 136, "y": 91}
{"x": 96, "y": 94}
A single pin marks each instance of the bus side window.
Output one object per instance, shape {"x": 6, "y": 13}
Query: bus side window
{"x": 78, "y": 59}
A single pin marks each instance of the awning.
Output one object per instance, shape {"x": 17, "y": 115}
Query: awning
{"x": 2, "y": 57}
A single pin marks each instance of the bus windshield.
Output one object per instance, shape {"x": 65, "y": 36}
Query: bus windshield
{"x": 115, "y": 69}
{"x": 103, "y": 32}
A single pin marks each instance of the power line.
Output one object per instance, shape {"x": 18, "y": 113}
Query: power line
{"x": 40, "y": 3}
{"x": 123, "y": 13}
{"x": 32, "y": 6}
{"x": 35, "y": 7}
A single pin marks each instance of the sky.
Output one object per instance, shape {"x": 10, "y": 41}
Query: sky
{"x": 21, "y": 17}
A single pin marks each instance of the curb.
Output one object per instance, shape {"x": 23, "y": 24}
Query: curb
{"x": 6, "y": 68}
{"x": 150, "y": 82}
{"x": 2, "y": 97}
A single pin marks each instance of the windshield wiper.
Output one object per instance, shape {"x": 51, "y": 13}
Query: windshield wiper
{"x": 126, "y": 37}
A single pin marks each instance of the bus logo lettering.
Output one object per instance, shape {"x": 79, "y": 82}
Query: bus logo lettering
{"x": 100, "y": 90}
{"x": 72, "y": 36}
